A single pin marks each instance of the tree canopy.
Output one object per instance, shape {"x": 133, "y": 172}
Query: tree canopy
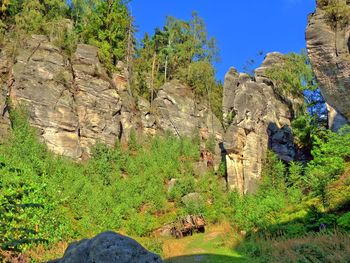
{"x": 180, "y": 50}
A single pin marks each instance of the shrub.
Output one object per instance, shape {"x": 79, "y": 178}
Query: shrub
{"x": 293, "y": 75}
{"x": 344, "y": 221}
{"x": 17, "y": 208}
{"x": 337, "y": 12}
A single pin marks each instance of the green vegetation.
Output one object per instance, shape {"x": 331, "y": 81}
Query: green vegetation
{"x": 105, "y": 24}
{"x": 325, "y": 248}
{"x": 126, "y": 189}
{"x": 140, "y": 187}
{"x": 181, "y": 50}
{"x": 337, "y": 12}
{"x": 293, "y": 75}
{"x": 120, "y": 189}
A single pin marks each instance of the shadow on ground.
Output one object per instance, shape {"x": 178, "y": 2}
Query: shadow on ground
{"x": 206, "y": 258}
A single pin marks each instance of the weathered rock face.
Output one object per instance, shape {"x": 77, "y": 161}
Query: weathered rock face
{"x": 108, "y": 247}
{"x": 257, "y": 119}
{"x": 72, "y": 102}
{"x": 328, "y": 49}
{"x": 5, "y": 82}
{"x": 177, "y": 110}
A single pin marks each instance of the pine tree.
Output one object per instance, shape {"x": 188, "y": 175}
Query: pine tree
{"x": 104, "y": 24}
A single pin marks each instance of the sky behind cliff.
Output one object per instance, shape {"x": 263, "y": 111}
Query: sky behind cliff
{"x": 243, "y": 28}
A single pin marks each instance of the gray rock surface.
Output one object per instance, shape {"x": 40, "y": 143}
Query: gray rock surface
{"x": 328, "y": 49}
{"x": 191, "y": 198}
{"x": 5, "y": 82}
{"x": 257, "y": 119}
{"x": 71, "y": 101}
{"x": 108, "y": 247}
{"x": 177, "y": 110}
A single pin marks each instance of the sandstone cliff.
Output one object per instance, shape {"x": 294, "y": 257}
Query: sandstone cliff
{"x": 328, "y": 48}
{"x": 71, "y": 101}
{"x": 177, "y": 110}
{"x": 74, "y": 104}
{"x": 257, "y": 119}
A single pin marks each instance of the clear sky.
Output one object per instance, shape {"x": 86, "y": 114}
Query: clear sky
{"x": 242, "y": 27}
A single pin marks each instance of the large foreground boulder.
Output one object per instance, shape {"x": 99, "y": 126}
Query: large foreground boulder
{"x": 108, "y": 247}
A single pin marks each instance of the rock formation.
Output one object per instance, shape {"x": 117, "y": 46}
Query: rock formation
{"x": 72, "y": 102}
{"x": 328, "y": 48}
{"x": 177, "y": 110}
{"x": 257, "y": 119}
{"x": 108, "y": 247}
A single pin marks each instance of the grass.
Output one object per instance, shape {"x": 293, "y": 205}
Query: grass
{"x": 216, "y": 245}
{"x": 316, "y": 248}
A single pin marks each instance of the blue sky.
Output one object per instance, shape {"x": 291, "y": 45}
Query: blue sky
{"x": 242, "y": 27}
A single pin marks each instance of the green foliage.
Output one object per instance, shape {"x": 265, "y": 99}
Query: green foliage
{"x": 181, "y": 50}
{"x": 295, "y": 175}
{"x": 104, "y": 24}
{"x": 274, "y": 173}
{"x": 199, "y": 75}
{"x": 344, "y": 221}
{"x": 337, "y": 12}
{"x": 17, "y": 207}
{"x": 330, "y": 152}
{"x": 293, "y": 75}
{"x": 304, "y": 128}
{"x": 117, "y": 189}
{"x": 31, "y": 17}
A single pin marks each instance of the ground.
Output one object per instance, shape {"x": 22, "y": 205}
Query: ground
{"x": 215, "y": 245}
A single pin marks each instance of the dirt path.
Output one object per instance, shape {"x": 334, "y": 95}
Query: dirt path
{"x": 216, "y": 245}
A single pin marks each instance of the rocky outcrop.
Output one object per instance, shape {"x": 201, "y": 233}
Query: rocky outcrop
{"x": 257, "y": 119}
{"x": 71, "y": 101}
{"x": 5, "y": 82}
{"x": 177, "y": 110}
{"x": 108, "y": 247}
{"x": 328, "y": 48}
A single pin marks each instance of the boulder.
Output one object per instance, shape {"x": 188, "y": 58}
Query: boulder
{"x": 108, "y": 247}
{"x": 191, "y": 198}
{"x": 329, "y": 52}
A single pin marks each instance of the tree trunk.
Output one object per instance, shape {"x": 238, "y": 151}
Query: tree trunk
{"x": 130, "y": 55}
{"x": 166, "y": 69}
{"x": 152, "y": 75}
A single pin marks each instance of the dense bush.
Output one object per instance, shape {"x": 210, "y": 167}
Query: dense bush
{"x": 312, "y": 248}
{"x": 330, "y": 152}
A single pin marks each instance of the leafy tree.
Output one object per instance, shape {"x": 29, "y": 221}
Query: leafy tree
{"x": 104, "y": 24}
{"x": 293, "y": 75}
{"x": 181, "y": 50}
{"x": 330, "y": 151}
